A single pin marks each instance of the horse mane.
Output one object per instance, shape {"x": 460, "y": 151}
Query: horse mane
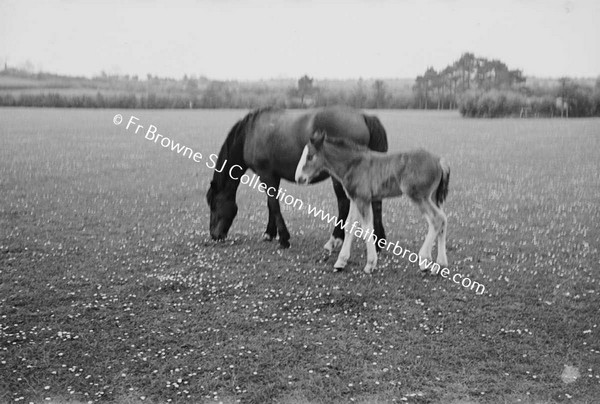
{"x": 341, "y": 142}
{"x": 235, "y": 155}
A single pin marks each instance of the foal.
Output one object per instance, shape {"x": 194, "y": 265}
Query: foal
{"x": 367, "y": 175}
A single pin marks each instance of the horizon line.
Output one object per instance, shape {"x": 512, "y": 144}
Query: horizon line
{"x": 273, "y": 78}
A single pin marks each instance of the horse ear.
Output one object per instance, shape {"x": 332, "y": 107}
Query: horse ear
{"x": 317, "y": 139}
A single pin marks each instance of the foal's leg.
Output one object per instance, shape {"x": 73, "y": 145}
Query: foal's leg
{"x": 365, "y": 211}
{"x": 442, "y": 259}
{"x": 337, "y": 237}
{"x": 435, "y": 222}
{"x": 344, "y": 254}
{"x": 275, "y": 211}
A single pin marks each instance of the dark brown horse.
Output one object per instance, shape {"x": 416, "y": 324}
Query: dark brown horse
{"x": 367, "y": 176}
{"x": 270, "y": 142}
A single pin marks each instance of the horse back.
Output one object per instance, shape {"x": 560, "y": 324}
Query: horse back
{"x": 275, "y": 143}
{"x": 340, "y": 121}
{"x": 412, "y": 173}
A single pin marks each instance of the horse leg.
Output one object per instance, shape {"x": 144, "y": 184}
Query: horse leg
{"x": 378, "y": 222}
{"x": 435, "y": 222}
{"x": 337, "y": 237}
{"x": 274, "y": 209}
{"x": 365, "y": 212}
{"x": 442, "y": 259}
{"x": 271, "y": 231}
{"x": 344, "y": 254}
{"x": 440, "y": 224}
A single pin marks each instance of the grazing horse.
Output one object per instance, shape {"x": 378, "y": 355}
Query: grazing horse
{"x": 270, "y": 142}
{"x": 367, "y": 176}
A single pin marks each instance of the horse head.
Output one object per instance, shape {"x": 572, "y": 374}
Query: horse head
{"x": 223, "y": 210}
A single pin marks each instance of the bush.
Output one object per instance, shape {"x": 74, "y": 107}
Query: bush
{"x": 506, "y": 103}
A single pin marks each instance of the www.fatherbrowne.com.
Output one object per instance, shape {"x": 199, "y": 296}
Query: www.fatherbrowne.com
{"x": 291, "y": 201}
{"x": 396, "y": 249}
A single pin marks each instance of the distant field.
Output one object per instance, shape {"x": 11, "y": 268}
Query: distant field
{"x": 18, "y": 85}
{"x": 112, "y": 291}
{"x": 7, "y": 82}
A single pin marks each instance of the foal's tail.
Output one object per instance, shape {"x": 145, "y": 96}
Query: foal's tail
{"x": 442, "y": 190}
{"x": 378, "y": 140}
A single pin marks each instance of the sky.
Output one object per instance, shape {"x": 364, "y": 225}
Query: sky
{"x": 261, "y": 39}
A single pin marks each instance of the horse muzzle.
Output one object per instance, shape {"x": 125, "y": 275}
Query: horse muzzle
{"x": 218, "y": 234}
{"x": 218, "y": 237}
{"x": 302, "y": 179}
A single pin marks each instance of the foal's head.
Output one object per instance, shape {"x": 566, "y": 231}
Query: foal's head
{"x": 324, "y": 153}
{"x": 312, "y": 162}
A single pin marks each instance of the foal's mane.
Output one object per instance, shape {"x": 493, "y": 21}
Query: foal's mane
{"x": 233, "y": 147}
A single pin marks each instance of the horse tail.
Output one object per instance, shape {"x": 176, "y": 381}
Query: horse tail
{"x": 442, "y": 190}
{"x": 378, "y": 136}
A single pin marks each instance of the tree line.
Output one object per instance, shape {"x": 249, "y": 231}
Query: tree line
{"x": 476, "y": 86}
{"x": 114, "y": 91}
{"x": 568, "y": 99}
{"x": 479, "y": 87}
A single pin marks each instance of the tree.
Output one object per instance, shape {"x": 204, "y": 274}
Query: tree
{"x": 516, "y": 77}
{"x": 419, "y": 90}
{"x": 468, "y": 72}
{"x": 216, "y": 95}
{"x": 305, "y": 87}
{"x": 191, "y": 88}
{"x": 380, "y": 93}
{"x": 448, "y": 82}
{"x": 359, "y": 96}
{"x": 430, "y": 81}
{"x": 466, "y": 64}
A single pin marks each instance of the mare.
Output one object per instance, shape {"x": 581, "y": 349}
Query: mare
{"x": 270, "y": 142}
{"x": 368, "y": 176}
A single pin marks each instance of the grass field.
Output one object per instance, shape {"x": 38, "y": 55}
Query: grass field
{"x": 111, "y": 289}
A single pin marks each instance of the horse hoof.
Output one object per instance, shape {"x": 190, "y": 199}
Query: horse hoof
{"x": 284, "y": 244}
{"x": 266, "y": 237}
{"x": 435, "y": 271}
{"x": 425, "y": 272}
{"x": 369, "y": 268}
{"x": 424, "y": 265}
{"x": 332, "y": 244}
{"x": 443, "y": 263}
{"x": 339, "y": 265}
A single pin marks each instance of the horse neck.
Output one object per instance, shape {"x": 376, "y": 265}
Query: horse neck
{"x": 340, "y": 161}
{"x": 230, "y": 166}
{"x": 226, "y": 183}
